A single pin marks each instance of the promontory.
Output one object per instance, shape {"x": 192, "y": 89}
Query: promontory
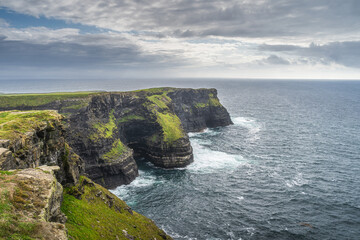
{"x": 77, "y": 140}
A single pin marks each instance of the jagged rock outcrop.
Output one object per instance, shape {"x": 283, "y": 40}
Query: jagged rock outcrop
{"x": 30, "y": 204}
{"x": 36, "y": 138}
{"x": 108, "y": 129}
{"x": 199, "y": 109}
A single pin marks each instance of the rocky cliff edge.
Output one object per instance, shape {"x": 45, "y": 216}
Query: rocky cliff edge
{"x": 108, "y": 129}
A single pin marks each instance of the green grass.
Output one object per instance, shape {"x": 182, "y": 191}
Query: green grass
{"x": 171, "y": 126}
{"x": 11, "y": 226}
{"x": 201, "y": 105}
{"x": 7, "y": 172}
{"x": 104, "y": 130}
{"x": 130, "y": 118}
{"x": 155, "y": 90}
{"x": 15, "y": 123}
{"x": 77, "y": 105}
{"x": 98, "y": 214}
{"x": 118, "y": 148}
{"x": 160, "y": 101}
{"x": 214, "y": 101}
{"x": 158, "y": 104}
{"x": 38, "y": 99}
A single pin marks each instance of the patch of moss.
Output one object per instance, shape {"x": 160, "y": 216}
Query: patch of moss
{"x": 130, "y": 118}
{"x": 171, "y": 126}
{"x": 118, "y": 148}
{"x": 11, "y": 226}
{"x": 201, "y": 105}
{"x": 76, "y": 105}
{"x": 104, "y": 130}
{"x": 158, "y": 104}
{"x": 95, "y": 213}
{"x": 14, "y": 100}
{"x": 15, "y": 123}
{"x": 7, "y": 172}
{"x": 154, "y": 138}
{"x": 160, "y": 101}
{"x": 214, "y": 101}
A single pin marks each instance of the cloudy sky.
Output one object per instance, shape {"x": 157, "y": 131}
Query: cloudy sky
{"x": 305, "y": 39}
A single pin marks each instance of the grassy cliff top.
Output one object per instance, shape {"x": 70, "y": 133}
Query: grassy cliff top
{"x": 38, "y": 99}
{"x": 11, "y": 101}
{"x": 15, "y": 123}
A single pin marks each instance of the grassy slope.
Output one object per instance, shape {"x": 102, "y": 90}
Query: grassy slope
{"x": 95, "y": 213}
{"x": 15, "y": 123}
{"x": 38, "y": 99}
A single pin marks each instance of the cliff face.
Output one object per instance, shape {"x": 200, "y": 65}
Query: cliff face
{"x": 108, "y": 129}
{"x": 199, "y": 109}
{"x": 104, "y": 130}
{"x": 32, "y": 202}
{"x": 32, "y": 139}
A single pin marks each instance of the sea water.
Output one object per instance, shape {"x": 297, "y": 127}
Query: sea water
{"x": 288, "y": 168}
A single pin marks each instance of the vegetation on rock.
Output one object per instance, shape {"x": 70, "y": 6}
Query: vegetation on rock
{"x": 95, "y": 213}
{"x": 36, "y": 99}
{"x": 171, "y": 126}
{"x": 118, "y": 148}
{"x": 15, "y": 123}
{"x": 23, "y": 201}
{"x": 130, "y": 118}
{"x": 104, "y": 130}
{"x": 158, "y": 104}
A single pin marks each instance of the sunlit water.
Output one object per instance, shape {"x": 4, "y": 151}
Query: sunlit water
{"x": 289, "y": 167}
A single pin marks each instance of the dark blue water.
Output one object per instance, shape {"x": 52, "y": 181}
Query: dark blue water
{"x": 289, "y": 167}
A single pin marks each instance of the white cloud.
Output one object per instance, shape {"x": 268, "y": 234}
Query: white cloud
{"x": 188, "y": 18}
{"x": 220, "y": 38}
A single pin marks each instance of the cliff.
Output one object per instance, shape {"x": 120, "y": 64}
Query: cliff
{"x": 34, "y": 138}
{"x": 48, "y": 141}
{"x": 33, "y": 204}
{"x": 108, "y": 129}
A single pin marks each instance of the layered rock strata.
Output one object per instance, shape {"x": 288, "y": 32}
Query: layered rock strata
{"x": 108, "y": 129}
{"x": 36, "y": 138}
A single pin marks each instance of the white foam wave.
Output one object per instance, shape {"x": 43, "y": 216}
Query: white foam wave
{"x": 207, "y": 132}
{"x": 207, "y": 160}
{"x": 143, "y": 180}
{"x": 298, "y": 180}
{"x": 249, "y": 123}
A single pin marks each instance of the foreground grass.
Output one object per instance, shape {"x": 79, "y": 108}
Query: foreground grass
{"x": 95, "y": 213}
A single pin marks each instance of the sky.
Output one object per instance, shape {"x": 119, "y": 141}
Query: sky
{"x": 277, "y": 39}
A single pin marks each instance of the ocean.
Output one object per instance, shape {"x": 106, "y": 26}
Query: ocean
{"x": 288, "y": 168}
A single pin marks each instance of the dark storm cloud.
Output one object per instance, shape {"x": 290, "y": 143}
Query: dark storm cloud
{"x": 78, "y": 53}
{"x": 343, "y": 53}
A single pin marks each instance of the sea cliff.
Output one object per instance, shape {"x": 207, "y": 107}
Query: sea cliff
{"x": 55, "y": 150}
{"x": 108, "y": 129}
